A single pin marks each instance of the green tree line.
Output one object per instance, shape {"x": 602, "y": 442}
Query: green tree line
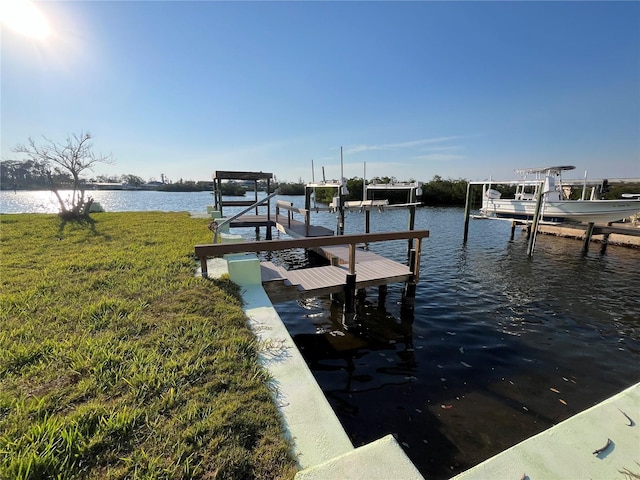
{"x": 31, "y": 175}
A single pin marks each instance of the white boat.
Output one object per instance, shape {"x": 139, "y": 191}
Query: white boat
{"x": 556, "y": 207}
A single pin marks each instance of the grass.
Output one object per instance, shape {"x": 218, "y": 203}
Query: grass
{"x": 116, "y": 362}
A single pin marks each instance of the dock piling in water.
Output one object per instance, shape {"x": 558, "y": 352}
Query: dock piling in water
{"x": 467, "y": 213}
{"x": 536, "y": 220}
{"x": 587, "y": 238}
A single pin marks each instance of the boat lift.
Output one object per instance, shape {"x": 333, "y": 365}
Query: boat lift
{"x": 539, "y": 189}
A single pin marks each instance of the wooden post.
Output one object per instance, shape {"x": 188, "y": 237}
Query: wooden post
{"x": 340, "y": 229}
{"x": 412, "y": 215}
{"x": 341, "y": 198}
{"x": 268, "y": 212}
{"x": 307, "y": 198}
{"x": 218, "y": 195}
{"x": 352, "y": 258}
{"x": 367, "y": 220}
{"x": 412, "y": 261}
{"x": 513, "y": 230}
{"x": 203, "y": 267}
{"x": 587, "y": 238}
{"x": 605, "y": 242}
{"x": 467, "y": 213}
{"x": 536, "y": 221}
{"x": 350, "y": 294}
{"x": 255, "y": 191}
{"x": 382, "y": 296}
{"x": 361, "y": 295}
{"x": 414, "y": 264}
{"x": 409, "y": 295}
{"x": 409, "y": 291}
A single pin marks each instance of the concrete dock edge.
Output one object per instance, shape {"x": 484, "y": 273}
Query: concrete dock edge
{"x": 602, "y": 442}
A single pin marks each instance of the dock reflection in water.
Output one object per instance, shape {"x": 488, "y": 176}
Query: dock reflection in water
{"x": 500, "y": 347}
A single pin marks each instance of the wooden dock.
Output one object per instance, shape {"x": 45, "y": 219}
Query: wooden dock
{"x": 372, "y": 270}
{"x": 352, "y": 267}
{"x": 293, "y": 228}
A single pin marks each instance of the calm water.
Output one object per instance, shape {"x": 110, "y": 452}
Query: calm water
{"x": 498, "y": 348}
{"x": 111, "y": 201}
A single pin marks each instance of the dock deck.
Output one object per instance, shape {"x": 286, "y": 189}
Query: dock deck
{"x": 296, "y": 229}
{"x": 372, "y": 270}
{"x": 351, "y": 267}
{"x": 289, "y": 226}
{"x": 252, "y": 221}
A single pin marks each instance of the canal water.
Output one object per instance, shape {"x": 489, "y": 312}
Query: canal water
{"x": 498, "y": 347}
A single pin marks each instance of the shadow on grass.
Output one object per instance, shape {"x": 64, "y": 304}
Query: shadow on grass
{"x": 84, "y": 222}
{"x": 225, "y": 284}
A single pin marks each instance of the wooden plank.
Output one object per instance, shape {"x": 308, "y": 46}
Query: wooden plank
{"x": 380, "y": 270}
{"x": 297, "y": 229}
{"x": 232, "y": 175}
{"x": 237, "y": 203}
{"x": 341, "y": 252}
{"x": 312, "y": 280}
{"x": 271, "y": 272}
{"x": 272, "y": 245}
{"x": 252, "y": 221}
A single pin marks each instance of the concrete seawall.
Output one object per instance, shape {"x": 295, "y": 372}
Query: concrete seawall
{"x": 632, "y": 239}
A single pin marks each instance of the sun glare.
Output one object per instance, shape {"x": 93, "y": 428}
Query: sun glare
{"x": 24, "y": 17}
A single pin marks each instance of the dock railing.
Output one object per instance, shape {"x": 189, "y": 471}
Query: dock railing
{"x": 288, "y": 206}
{"x": 228, "y": 220}
{"x": 352, "y": 240}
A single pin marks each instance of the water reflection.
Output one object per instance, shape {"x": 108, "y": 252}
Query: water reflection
{"x": 343, "y": 343}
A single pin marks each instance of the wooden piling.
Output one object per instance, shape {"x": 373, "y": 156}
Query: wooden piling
{"x": 412, "y": 215}
{"x": 467, "y": 213}
{"x": 605, "y": 242}
{"x": 587, "y": 238}
{"x": 382, "y": 296}
{"x": 350, "y": 294}
{"x": 409, "y": 296}
{"x": 536, "y": 221}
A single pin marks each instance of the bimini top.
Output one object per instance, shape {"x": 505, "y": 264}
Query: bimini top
{"x": 550, "y": 170}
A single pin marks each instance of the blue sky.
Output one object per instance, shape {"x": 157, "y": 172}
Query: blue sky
{"x": 416, "y": 89}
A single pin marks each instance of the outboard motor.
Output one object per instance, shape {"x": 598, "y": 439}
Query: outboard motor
{"x": 604, "y": 188}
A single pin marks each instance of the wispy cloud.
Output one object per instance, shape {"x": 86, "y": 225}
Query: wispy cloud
{"x": 439, "y": 157}
{"x": 398, "y": 146}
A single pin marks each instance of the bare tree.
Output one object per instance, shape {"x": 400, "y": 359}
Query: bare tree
{"x": 69, "y": 159}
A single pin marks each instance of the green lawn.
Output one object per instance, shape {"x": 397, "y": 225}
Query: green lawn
{"x": 116, "y": 362}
